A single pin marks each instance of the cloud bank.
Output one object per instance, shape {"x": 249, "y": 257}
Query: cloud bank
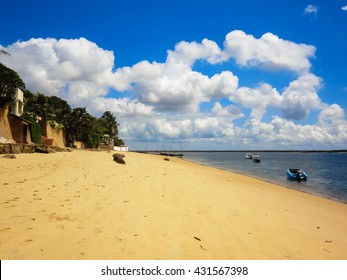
{"x": 173, "y": 100}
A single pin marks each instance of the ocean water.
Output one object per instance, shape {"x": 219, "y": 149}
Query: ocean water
{"x": 327, "y": 172}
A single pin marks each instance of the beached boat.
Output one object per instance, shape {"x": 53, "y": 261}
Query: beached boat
{"x": 172, "y": 154}
{"x": 296, "y": 174}
{"x": 256, "y": 158}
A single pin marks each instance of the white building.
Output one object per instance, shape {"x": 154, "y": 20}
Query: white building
{"x": 16, "y": 107}
{"x": 121, "y": 148}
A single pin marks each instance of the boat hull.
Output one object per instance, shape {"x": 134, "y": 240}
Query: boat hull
{"x": 296, "y": 174}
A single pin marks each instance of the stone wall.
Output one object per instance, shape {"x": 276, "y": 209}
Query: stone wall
{"x": 30, "y": 148}
{"x": 57, "y": 136}
{"x": 5, "y": 130}
{"x": 16, "y": 148}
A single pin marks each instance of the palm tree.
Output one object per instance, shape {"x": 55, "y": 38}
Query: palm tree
{"x": 110, "y": 124}
{"x": 2, "y": 52}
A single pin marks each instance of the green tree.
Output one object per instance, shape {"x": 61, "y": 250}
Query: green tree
{"x": 37, "y": 106}
{"x": 47, "y": 108}
{"x": 9, "y": 82}
{"x": 58, "y": 109}
{"x": 118, "y": 142}
{"x": 94, "y": 137}
{"x": 78, "y": 124}
{"x": 109, "y": 122}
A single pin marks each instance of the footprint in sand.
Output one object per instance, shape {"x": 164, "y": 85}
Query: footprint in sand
{"x": 82, "y": 241}
{"x": 13, "y": 199}
{"x": 117, "y": 239}
{"x": 97, "y": 230}
{"x": 61, "y": 227}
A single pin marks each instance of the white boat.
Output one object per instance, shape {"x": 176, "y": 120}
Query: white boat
{"x": 249, "y": 156}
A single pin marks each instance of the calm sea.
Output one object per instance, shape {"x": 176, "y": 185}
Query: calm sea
{"x": 327, "y": 172}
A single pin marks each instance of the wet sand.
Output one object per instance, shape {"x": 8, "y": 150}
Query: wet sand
{"x": 83, "y": 205}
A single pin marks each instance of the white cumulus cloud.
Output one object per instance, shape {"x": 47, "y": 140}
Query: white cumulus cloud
{"x": 301, "y": 96}
{"x": 269, "y": 52}
{"x": 160, "y": 100}
{"x": 257, "y": 99}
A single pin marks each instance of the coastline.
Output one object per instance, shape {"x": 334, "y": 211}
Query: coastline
{"x": 325, "y": 170}
{"x": 83, "y": 205}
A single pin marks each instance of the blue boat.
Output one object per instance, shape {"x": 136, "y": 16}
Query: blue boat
{"x": 296, "y": 174}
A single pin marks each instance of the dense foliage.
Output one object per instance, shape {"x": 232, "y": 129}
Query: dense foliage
{"x": 78, "y": 123}
{"x": 35, "y": 128}
{"x": 41, "y": 109}
{"x": 47, "y": 108}
{"x": 9, "y": 82}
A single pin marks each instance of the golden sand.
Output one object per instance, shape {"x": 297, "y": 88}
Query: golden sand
{"x": 83, "y": 205}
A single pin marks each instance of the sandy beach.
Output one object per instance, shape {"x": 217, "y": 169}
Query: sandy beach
{"x": 83, "y": 205}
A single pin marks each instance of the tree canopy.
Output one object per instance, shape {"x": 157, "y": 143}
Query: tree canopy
{"x": 46, "y": 108}
{"x": 109, "y": 123}
{"x": 78, "y": 123}
{"x": 9, "y": 83}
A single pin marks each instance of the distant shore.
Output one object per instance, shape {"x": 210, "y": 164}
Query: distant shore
{"x": 83, "y": 205}
{"x": 246, "y": 151}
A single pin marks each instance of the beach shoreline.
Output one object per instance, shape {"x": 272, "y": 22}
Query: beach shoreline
{"x": 83, "y": 205}
{"x": 281, "y": 185}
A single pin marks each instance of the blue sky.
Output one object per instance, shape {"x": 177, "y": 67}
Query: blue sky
{"x": 209, "y": 74}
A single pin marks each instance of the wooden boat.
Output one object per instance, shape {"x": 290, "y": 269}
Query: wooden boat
{"x": 172, "y": 154}
{"x": 296, "y": 174}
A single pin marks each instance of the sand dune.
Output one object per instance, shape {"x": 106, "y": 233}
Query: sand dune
{"x": 83, "y": 205}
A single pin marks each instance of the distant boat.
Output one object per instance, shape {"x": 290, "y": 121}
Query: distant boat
{"x": 256, "y": 158}
{"x": 171, "y": 154}
{"x": 296, "y": 174}
{"x": 249, "y": 156}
